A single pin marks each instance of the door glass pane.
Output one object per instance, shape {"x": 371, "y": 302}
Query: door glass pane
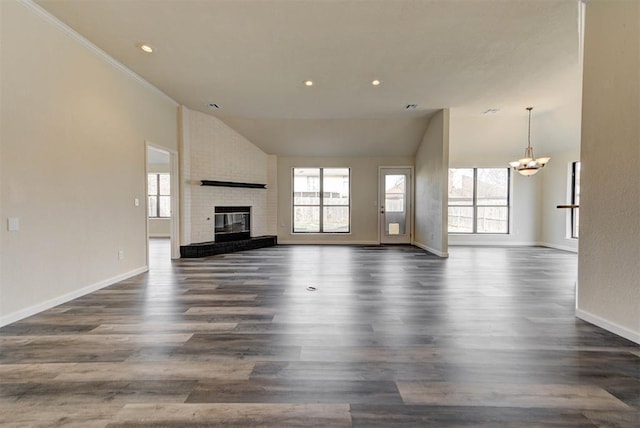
{"x": 394, "y": 186}
{"x": 306, "y": 186}
{"x": 335, "y": 186}
{"x": 152, "y": 184}
{"x": 461, "y": 186}
{"x": 493, "y": 186}
{"x": 306, "y": 219}
{"x": 493, "y": 220}
{"x": 461, "y": 219}
{"x": 395, "y": 215}
{"x": 165, "y": 184}
{"x": 335, "y": 219}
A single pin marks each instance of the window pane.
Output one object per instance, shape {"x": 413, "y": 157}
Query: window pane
{"x": 395, "y": 189}
{"x": 461, "y": 186}
{"x": 165, "y": 184}
{"x": 335, "y": 219}
{"x": 461, "y": 219}
{"x": 153, "y": 206}
{"x": 165, "y": 206}
{"x": 335, "y": 186}
{"x": 493, "y": 220}
{"x": 306, "y": 186}
{"x": 493, "y": 186}
{"x": 152, "y": 184}
{"x": 306, "y": 219}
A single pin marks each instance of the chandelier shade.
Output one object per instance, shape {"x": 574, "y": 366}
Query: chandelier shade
{"x": 529, "y": 164}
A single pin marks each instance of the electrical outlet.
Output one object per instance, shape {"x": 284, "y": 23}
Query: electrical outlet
{"x": 120, "y": 254}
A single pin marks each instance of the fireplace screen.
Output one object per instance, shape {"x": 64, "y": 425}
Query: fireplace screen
{"x": 232, "y": 223}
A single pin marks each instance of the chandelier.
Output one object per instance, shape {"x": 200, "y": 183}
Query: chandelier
{"x": 529, "y": 165}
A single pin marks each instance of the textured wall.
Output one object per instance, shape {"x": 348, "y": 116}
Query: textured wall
{"x": 609, "y": 247}
{"x": 432, "y": 169}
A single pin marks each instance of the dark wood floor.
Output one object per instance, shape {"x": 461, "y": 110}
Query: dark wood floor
{"x": 393, "y": 336}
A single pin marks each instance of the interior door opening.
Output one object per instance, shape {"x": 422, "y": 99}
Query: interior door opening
{"x": 161, "y": 206}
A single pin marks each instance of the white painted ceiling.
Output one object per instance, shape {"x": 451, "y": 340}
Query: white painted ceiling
{"x": 251, "y": 58}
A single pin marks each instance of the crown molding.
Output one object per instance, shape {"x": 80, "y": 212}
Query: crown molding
{"x": 38, "y": 10}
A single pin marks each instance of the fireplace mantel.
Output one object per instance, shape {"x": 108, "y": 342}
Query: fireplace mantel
{"x": 232, "y": 184}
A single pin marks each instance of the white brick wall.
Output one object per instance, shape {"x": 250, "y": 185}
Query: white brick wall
{"x": 217, "y": 152}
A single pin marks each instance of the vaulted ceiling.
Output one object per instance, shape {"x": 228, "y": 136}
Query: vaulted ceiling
{"x": 252, "y": 57}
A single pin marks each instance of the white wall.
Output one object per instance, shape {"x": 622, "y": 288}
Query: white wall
{"x": 213, "y": 151}
{"x": 609, "y": 248}
{"x": 364, "y": 198}
{"x": 73, "y": 130}
{"x": 431, "y": 195}
{"x": 492, "y": 142}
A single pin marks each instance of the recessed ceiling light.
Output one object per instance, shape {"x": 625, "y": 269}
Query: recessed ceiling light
{"x": 411, "y": 106}
{"x": 308, "y": 82}
{"x": 213, "y": 105}
{"x": 146, "y": 48}
{"x": 491, "y": 111}
{"x": 375, "y": 82}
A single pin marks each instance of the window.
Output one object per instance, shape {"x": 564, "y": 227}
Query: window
{"x": 321, "y": 200}
{"x": 575, "y": 198}
{"x": 159, "y": 195}
{"x": 479, "y": 200}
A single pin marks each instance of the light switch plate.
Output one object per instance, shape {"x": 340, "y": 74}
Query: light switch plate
{"x": 13, "y": 224}
{"x": 136, "y": 202}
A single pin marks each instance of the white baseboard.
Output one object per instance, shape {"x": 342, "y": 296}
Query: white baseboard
{"x": 614, "y": 328}
{"x": 559, "y": 247}
{"x": 32, "y": 310}
{"x": 472, "y": 243}
{"x": 431, "y": 250}
{"x": 281, "y": 242}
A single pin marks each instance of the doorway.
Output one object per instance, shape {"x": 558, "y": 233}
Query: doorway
{"x": 161, "y": 205}
{"x": 395, "y": 190}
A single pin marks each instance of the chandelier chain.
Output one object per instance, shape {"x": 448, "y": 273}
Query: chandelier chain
{"x": 529, "y": 134}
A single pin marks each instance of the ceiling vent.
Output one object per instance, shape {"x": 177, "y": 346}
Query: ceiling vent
{"x": 213, "y": 105}
{"x": 411, "y": 106}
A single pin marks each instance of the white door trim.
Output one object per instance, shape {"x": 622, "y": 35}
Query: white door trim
{"x": 410, "y": 196}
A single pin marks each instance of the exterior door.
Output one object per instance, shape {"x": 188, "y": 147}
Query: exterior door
{"x": 395, "y": 205}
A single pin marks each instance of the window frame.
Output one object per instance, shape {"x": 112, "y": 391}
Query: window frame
{"x": 158, "y": 194}
{"x": 474, "y": 204}
{"x": 321, "y": 204}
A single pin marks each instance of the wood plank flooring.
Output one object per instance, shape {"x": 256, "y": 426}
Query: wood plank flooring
{"x": 393, "y": 336}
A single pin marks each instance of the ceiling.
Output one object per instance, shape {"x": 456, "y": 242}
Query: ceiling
{"x": 251, "y": 58}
